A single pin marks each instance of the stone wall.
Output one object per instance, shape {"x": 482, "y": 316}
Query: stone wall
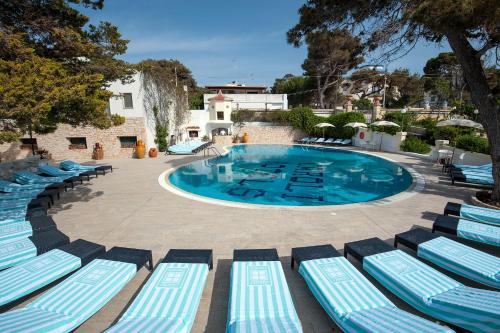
{"x": 58, "y": 144}
{"x": 264, "y": 133}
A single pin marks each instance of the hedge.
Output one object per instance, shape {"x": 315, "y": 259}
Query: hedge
{"x": 473, "y": 143}
{"x": 415, "y": 145}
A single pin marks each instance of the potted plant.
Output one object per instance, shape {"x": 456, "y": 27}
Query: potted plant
{"x": 153, "y": 152}
{"x": 236, "y": 138}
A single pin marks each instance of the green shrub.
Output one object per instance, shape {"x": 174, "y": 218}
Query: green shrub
{"x": 402, "y": 119}
{"x": 339, "y": 120}
{"x": 161, "y": 137}
{"x": 304, "y": 119}
{"x": 473, "y": 143}
{"x": 451, "y": 133}
{"x": 362, "y": 104}
{"x": 415, "y": 145}
{"x": 117, "y": 120}
{"x": 430, "y": 126}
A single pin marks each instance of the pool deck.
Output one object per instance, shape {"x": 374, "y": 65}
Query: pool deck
{"x": 129, "y": 208}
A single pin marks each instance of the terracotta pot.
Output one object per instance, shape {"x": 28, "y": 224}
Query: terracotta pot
{"x": 245, "y": 138}
{"x": 140, "y": 149}
{"x": 153, "y": 152}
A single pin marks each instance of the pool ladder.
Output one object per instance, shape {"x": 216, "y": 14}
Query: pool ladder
{"x": 206, "y": 151}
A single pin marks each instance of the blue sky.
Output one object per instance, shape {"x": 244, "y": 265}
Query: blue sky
{"x": 223, "y": 40}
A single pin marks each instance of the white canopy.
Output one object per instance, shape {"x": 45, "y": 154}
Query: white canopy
{"x": 321, "y": 125}
{"x": 355, "y": 125}
{"x": 460, "y": 122}
{"x": 384, "y": 123}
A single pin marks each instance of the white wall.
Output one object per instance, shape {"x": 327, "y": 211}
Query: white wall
{"x": 254, "y": 101}
{"x": 116, "y": 105}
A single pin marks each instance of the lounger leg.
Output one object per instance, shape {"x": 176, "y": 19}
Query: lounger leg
{"x": 345, "y": 252}
{"x": 395, "y": 243}
{"x": 292, "y": 264}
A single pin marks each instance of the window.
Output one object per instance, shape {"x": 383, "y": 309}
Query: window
{"x": 127, "y": 141}
{"x": 27, "y": 142}
{"x": 127, "y": 101}
{"x": 78, "y": 143}
{"x": 193, "y": 134}
{"x": 220, "y": 115}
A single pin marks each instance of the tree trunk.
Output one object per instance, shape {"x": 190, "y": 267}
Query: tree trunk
{"x": 320, "y": 93}
{"x": 482, "y": 97}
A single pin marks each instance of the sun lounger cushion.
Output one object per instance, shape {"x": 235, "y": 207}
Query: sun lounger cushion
{"x": 260, "y": 300}
{"x": 354, "y": 303}
{"x": 15, "y": 230}
{"x": 73, "y": 301}
{"x": 31, "y": 275}
{"x": 73, "y": 166}
{"x": 434, "y": 293}
{"x": 16, "y": 251}
{"x": 479, "y": 232}
{"x": 462, "y": 260}
{"x": 478, "y": 178}
{"x": 168, "y": 302}
{"x": 56, "y": 172}
{"x": 480, "y": 214}
{"x": 26, "y": 177}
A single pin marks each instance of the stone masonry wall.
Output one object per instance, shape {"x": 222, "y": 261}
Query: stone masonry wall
{"x": 57, "y": 143}
{"x": 263, "y": 133}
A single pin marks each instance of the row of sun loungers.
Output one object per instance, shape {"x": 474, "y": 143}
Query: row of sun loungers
{"x": 188, "y": 147}
{"x": 259, "y": 297}
{"x": 326, "y": 142}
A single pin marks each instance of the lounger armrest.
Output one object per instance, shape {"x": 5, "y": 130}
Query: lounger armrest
{"x": 85, "y": 250}
{"x": 367, "y": 247}
{"x": 48, "y": 240}
{"x": 139, "y": 257}
{"x": 447, "y": 224}
{"x": 452, "y": 208}
{"x": 256, "y": 255}
{"x": 300, "y": 254}
{"x": 42, "y": 223}
{"x": 189, "y": 256}
{"x": 413, "y": 238}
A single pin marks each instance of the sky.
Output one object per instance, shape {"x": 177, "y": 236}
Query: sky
{"x": 224, "y": 40}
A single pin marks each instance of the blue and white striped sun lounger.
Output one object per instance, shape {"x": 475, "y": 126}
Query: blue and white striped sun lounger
{"x": 338, "y": 141}
{"x": 26, "y": 177}
{"x": 349, "y": 299}
{"x": 473, "y": 177}
{"x": 475, "y": 231}
{"x": 73, "y": 301}
{"x": 56, "y": 172}
{"x": 6, "y": 186}
{"x": 169, "y": 301}
{"x": 329, "y": 141}
{"x": 16, "y": 230}
{"x": 69, "y": 165}
{"x": 428, "y": 290}
{"x": 473, "y": 213}
{"x": 453, "y": 256}
{"x": 40, "y": 271}
{"x": 346, "y": 142}
{"x": 259, "y": 299}
{"x": 17, "y": 251}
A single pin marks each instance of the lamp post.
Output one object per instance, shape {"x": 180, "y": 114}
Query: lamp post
{"x": 476, "y": 112}
{"x": 403, "y": 111}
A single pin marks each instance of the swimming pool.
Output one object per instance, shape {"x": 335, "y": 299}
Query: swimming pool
{"x": 292, "y": 176}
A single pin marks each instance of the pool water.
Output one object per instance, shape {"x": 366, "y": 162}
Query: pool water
{"x": 292, "y": 176}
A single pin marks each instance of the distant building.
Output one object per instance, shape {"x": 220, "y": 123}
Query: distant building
{"x": 247, "y": 97}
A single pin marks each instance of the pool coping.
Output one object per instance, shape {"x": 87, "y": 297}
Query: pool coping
{"x": 416, "y": 187}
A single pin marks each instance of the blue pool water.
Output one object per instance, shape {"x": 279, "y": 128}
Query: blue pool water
{"x": 292, "y": 176}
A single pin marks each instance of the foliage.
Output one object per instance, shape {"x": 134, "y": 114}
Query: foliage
{"x": 451, "y": 133}
{"x": 165, "y": 99}
{"x": 443, "y": 76}
{"x": 339, "y": 120}
{"x": 277, "y": 117}
{"x": 117, "y": 119}
{"x": 464, "y": 109}
{"x": 205, "y": 138}
{"x": 405, "y": 120}
{"x": 430, "y": 126}
{"x": 473, "y": 143}
{"x": 54, "y": 66}
{"x": 161, "y": 134}
{"x": 303, "y": 119}
{"x": 415, "y": 145}
{"x": 298, "y": 89}
{"x": 329, "y": 55}
{"x": 196, "y": 99}
{"x": 362, "y": 104}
